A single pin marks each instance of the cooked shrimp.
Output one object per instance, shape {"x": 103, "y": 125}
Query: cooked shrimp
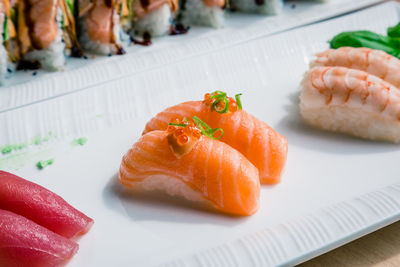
{"x": 375, "y": 62}
{"x": 351, "y": 101}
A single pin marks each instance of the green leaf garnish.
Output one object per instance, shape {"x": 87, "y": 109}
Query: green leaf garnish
{"x": 178, "y": 124}
{"x": 394, "y": 31}
{"x": 389, "y": 44}
{"x": 207, "y": 130}
{"x": 238, "y": 101}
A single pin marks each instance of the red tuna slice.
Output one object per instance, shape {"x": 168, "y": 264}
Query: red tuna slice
{"x": 41, "y": 206}
{"x": 25, "y": 243}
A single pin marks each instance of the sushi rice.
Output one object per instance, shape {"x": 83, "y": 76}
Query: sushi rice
{"x": 156, "y": 23}
{"x": 91, "y": 46}
{"x": 269, "y": 7}
{"x": 51, "y": 58}
{"x": 196, "y": 13}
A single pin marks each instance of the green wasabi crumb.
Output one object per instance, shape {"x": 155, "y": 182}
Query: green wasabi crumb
{"x": 79, "y": 141}
{"x": 7, "y": 149}
{"x": 44, "y": 163}
{"x": 38, "y": 140}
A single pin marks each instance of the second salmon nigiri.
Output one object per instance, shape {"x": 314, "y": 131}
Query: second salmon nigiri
{"x": 258, "y": 142}
{"x": 183, "y": 162}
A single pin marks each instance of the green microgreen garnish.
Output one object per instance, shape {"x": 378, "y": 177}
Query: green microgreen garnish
{"x": 71, "y": 6}
{"x": 238, "y": 101}
{"x": 177, "y": 124}
{"x": 207, "y": 130}
{"x": 5, "y": 29}
{"x": 218, "y": 97}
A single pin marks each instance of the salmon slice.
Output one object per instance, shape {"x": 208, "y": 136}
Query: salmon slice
{"x": 25, "y": 243}
{"x": 212, "y": 173}
{"x": 41, "y": 206}
{"x": 100, "y": 22}
{"x": 212, "y": 3}
{"x": 375, "y": 62}
{"x": 258, "y": 142}
{"x": 37, "y": 26}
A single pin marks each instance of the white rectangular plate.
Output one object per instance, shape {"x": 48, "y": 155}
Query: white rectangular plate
{"x": 335, "y": 188}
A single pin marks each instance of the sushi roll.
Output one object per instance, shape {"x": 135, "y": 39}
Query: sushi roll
{"x": 9, "y": 50}
{"x": 375, "y": 62}
{"x": 351, "y": 101}
{"x": 203, "y": 12}
{"x": 266, "y": 7}
{"x": 3, "y": 32}
{"x": 99, "y": 29}
{"x": 152, "y": 18}
{"x": 182, "y": 161}
{"x": 264, "y": 147}
{"x": 46, "y": 33}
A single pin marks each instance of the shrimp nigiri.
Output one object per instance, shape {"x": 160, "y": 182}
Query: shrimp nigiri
{"x": 258, "y": 142}
{"x": 375, "y": 62}
{"x": 183, "y": 162}
{"x": 351, "y": 101}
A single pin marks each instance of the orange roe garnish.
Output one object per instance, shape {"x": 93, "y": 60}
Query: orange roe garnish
{"x": 182, "y": 139}
{"x": 217, "y": 101}
{"x": 182, "y": 135}
{"x": 232, "y": 105}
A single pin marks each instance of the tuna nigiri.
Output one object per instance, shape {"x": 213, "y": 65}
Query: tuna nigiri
{"x": 25, "y": 243}
{"x": 183, "y": 162}
{"x": 258, "y": 142}
{"x": 41, "y": 206}
{"x": 351, "y": 101}
{"x": 375, "y": 62}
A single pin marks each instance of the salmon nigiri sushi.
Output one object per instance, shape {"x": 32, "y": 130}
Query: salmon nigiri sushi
{"x": 181, "y": 161}
{"x": 258, "y": 142}
{"x": 352, "y": 102}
